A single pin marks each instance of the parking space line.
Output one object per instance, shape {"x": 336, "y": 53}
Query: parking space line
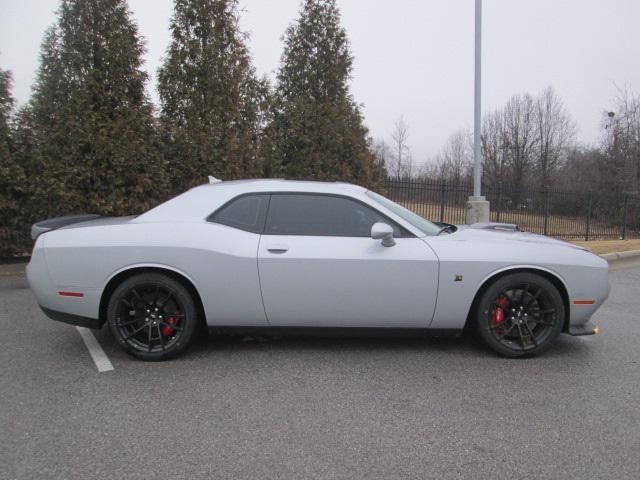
{"x": 95, "y": 350}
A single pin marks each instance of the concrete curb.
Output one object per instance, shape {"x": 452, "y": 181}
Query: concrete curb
{"x": 12, "y": 269}
{"x": 615, "y": 256}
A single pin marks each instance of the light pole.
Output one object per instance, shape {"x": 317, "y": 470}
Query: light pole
{"x": 477, "y": 206}
{"x": 477, "y": 102}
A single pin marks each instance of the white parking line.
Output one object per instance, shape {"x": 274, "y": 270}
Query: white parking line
{"x": 95, "y": 350}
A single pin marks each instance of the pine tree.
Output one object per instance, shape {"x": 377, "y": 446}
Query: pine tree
{"x": 89, "y": 128}
{"x": 317, "y": 131}
{"x": 211, "y": 100}
{"x": 12, "y": 236}
{"x": 6, "y": 108}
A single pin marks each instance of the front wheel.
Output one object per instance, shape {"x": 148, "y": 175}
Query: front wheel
{"x": 152, "y": 316}
{"x": 520, "y": 314}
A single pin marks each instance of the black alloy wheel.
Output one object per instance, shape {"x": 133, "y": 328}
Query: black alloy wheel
{"x": 520, "y": 314}
{"x": 152, "y": 316}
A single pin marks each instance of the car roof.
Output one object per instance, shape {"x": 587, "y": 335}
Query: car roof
{"x": 201, "y": 201}
{"x": 281, "y": 185}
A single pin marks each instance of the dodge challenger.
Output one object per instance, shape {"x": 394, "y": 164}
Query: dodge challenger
{"x": 265, "y": 256}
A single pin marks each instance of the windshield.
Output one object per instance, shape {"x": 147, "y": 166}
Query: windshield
{"x": 416, "y": 220}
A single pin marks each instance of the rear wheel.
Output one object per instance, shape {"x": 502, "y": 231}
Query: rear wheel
{"x": 520, "y": 315}
{"x": 152, "y": 316}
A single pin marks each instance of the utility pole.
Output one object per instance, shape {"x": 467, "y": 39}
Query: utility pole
{"x": 477, "y": 206}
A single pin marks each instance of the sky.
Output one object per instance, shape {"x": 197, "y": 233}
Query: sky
{"x": 413, "y": 58}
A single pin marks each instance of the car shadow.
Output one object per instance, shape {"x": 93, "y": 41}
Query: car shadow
{"x": 466, "y": 345}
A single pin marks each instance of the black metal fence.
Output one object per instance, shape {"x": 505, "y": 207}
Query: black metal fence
{"x": 562, "y": 214}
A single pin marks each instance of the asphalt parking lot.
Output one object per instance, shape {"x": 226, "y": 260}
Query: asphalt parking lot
{"x": 320, "y": 408}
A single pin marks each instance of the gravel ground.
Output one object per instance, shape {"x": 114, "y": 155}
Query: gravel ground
{"x": 320, "y": 408}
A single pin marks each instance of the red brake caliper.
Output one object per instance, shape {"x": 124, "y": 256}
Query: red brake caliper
{"x": 167, "y": 329}
{"x": 497, "y": 315}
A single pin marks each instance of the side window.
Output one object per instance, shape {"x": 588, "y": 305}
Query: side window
{"x": 321, "y": 215}
{"x": 246, "y": 212}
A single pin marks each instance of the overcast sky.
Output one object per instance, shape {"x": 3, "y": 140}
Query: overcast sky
{"x": 414, "y": 57}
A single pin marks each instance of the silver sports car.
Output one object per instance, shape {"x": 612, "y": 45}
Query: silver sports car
{"x": 308, "y": 257}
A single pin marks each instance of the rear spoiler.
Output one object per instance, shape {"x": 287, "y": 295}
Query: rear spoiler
{"x": 49, "y": 224}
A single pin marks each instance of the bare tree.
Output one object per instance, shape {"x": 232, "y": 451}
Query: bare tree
{"x": 555, "y": 131}
{"x": 494, "y": 152}
{"x": 402, "y": 162}
{"x": 453, "y": 162}
{"x": 622, "y": 141}
{"x": 519, "y": 140}
{"x": 383, "y": 156}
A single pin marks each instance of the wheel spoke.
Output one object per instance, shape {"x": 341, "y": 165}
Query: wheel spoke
{"x": 506, "y": 332}
{"x": 164, "y": 302}
{"x": 156, "y": 294}
{"x": 137, "y": 295}
{"x": 521, "y": 336}
{"x": 160, "y": 336}
{"x": 150, "y": 340}
{"x": 531, "y": 336}
{"x": 128, "y": 303}
{"x": 547, "y": 310}
{"x": 534, "y": 297}
{"x": 126, "y": 324}
{"x": 135, "y": 332}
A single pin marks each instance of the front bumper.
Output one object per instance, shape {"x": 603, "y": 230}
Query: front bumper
{"x": 588, "y": 328}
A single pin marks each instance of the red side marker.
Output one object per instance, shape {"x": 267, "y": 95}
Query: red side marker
{"x": 71, "y": 294}
{"x": 584, "y": 302}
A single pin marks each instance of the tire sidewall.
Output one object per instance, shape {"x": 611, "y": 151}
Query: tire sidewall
{"x": 184, "y": 297}
{"x": 501, "y": 284}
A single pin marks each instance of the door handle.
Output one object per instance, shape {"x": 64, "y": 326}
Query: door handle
{"x": 277, "y": 249}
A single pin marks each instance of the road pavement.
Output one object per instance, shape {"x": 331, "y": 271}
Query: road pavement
{"x": 320, "y": 408}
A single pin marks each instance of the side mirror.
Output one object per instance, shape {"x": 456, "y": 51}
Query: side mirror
{"x": 384, "y": 232}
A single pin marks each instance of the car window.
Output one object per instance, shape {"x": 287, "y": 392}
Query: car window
{"x": 417, "y": 221}
{"x": 322, "y": 215}
{"x": 246, "y": 212}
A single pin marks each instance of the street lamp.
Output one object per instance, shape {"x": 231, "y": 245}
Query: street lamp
{"x": 477, "y": 206}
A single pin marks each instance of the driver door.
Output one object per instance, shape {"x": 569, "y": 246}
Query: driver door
{"x": 319, "y": 267}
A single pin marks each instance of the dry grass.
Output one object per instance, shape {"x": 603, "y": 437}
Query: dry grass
{"x": 609, "y": 246}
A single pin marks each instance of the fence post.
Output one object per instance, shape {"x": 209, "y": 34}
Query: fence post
{"x": 586, "y": 235}
{"x": 624, "y": 215}
{"x": 546, "y": 211}
{"x": 499, "y": 202}
{"x": 442, "y": 192}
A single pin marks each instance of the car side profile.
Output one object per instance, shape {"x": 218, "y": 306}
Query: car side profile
{"x": 308, "y": 257}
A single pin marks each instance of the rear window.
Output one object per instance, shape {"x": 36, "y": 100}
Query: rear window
{"x": 246, "y": 212}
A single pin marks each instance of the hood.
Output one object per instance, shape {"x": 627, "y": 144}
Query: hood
{"x": 505, "y": 232}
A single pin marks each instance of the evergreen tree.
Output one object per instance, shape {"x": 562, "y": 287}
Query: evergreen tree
{"x": 211, "y": 100}
{"x": 6, "y": 108}
{"x": 12, "y": 237}
{"x": 317, "y": 130}
{"x": 89, "y": 130}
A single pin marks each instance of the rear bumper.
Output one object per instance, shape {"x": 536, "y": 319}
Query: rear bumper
{"x": 585, "y": 329}
{"x": 72, "y": 319}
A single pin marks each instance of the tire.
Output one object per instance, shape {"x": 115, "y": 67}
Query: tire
{"x": 152, "y": 316}
{"x": 531, "y": 318}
